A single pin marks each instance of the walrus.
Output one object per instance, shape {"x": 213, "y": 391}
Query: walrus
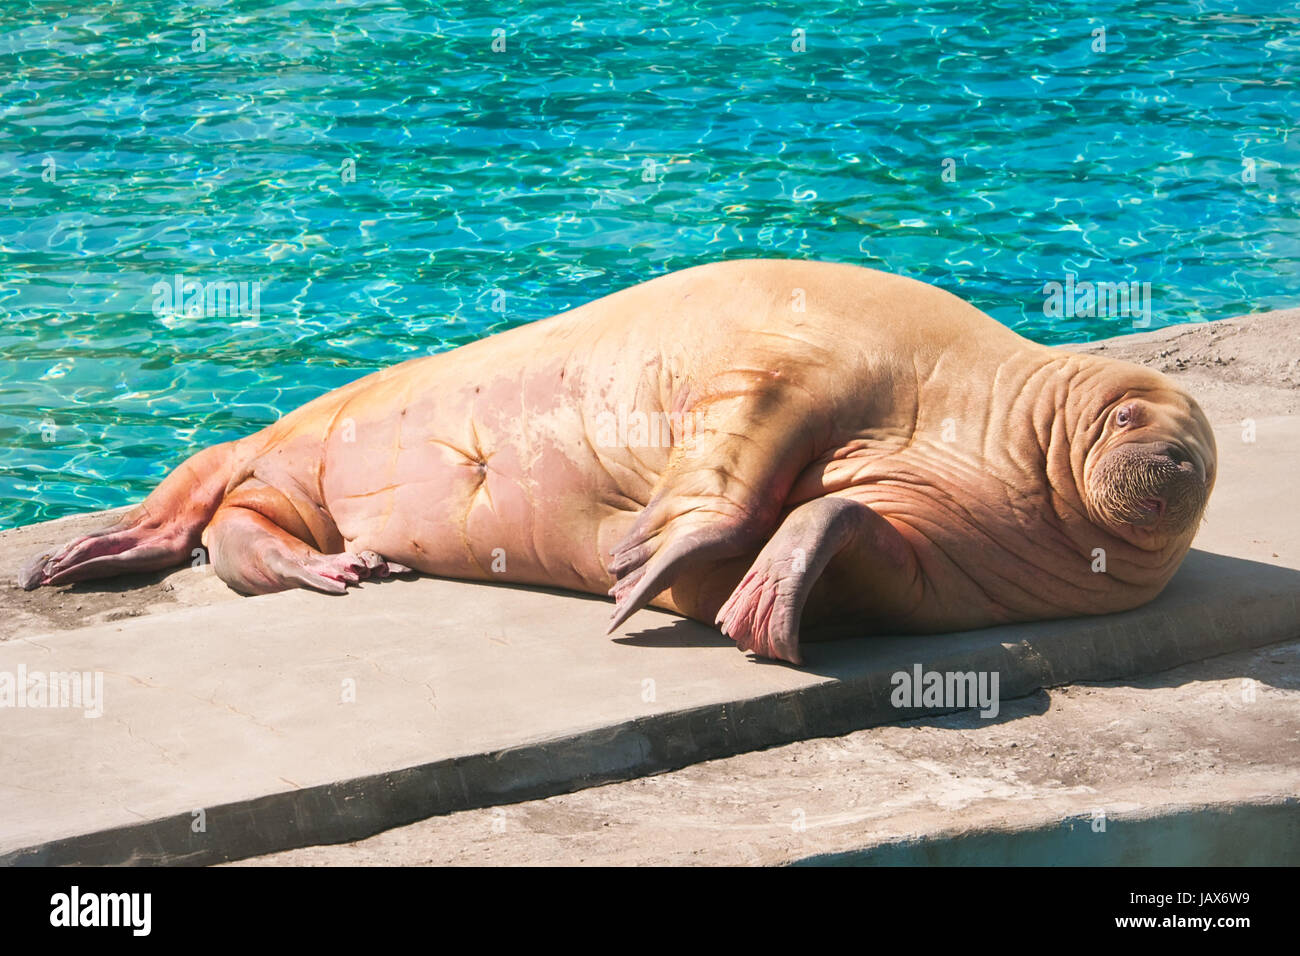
{"x": 766, "y": 445}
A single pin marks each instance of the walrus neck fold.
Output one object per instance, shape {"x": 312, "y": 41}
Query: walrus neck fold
{"x": 1073, "y": 418}
{"x": 1064, "y": 435}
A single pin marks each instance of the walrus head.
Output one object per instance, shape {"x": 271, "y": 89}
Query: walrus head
{"x": 1148, "y": 474}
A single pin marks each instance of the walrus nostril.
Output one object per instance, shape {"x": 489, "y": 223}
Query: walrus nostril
{"x": 1179, "y": 455}
{"x": 1171, "y": 451}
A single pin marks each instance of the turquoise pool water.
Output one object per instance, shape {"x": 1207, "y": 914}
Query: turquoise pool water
{"x": 497, "y": 187}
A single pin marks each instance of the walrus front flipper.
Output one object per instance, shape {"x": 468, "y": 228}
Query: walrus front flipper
{"x": 764, "y": 612}
{"x": 161, "y": 532}
{"x": 722, "y": 492}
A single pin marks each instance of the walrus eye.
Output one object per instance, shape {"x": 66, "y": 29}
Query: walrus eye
{"x": 1123, "y": 416}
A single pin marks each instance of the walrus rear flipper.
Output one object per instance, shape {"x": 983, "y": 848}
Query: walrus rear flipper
{"x": 160, "y": 532}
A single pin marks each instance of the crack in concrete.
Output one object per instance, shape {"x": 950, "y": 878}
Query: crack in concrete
{"x": 134, "y": 736}
{"x": 433, "y": 701}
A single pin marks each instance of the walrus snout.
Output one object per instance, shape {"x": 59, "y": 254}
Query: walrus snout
{"x": 1151, "y": 485}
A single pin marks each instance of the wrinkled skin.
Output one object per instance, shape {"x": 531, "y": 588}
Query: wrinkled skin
{"x": 887, "y": 458}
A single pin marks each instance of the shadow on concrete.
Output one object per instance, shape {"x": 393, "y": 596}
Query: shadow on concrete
{"x": 133, "y": 582}
{"x": 117, "y": 585}
{"x": 1032, "y": 705}
{"x": 1215, "y": 605}
{"x": 683, "y": 633}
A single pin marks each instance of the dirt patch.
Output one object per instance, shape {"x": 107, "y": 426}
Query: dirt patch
{"x": 95, "y": 602}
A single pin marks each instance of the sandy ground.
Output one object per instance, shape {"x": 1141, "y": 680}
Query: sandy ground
{"x": 1247, "y": 367}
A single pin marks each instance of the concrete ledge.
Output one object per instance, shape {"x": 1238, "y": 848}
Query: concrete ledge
{"x": 1178, "y": 748}
{"x": 242, "y": 718}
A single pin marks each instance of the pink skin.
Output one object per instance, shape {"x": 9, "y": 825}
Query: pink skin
{"x": 763, "y": 613}
{"x": 116, "y": 551}
{"x": 255, "y": 556}
{"x": 162, "y": 532}
{"x": 332, "y": 573}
